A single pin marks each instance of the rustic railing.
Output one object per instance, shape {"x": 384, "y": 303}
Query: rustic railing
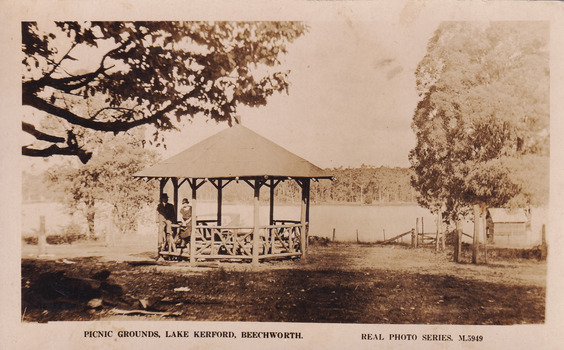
{"x": 236, "y": 242}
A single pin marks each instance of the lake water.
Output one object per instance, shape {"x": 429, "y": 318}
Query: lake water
{"x": 372, "y": 222}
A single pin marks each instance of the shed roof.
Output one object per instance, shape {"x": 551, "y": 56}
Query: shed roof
{"x": 234, "y": 152}
{"x": 507, "y": 216}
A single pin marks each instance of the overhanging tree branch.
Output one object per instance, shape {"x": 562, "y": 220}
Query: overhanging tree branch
{"x": 29, "y": 99}
{"x": 39, "y": 135}
{"x": 65, "y": 56}
{"x": 74, "y": 82}
{"x": 66, "y": 84}
{"x": 52, "y": 150}
{"x": 112, "y": 109}
{"x": 168, "y": 69}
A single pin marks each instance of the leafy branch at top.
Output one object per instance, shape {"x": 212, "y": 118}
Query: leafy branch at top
{"x": 156, "y": 73}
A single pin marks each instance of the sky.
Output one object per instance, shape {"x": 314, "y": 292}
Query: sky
{"x": 352, "y": 85}
{"x": 351, "y": 98}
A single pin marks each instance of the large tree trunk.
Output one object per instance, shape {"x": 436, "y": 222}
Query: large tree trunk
{"x": 476, "y": 237}
{"x": 458, "y": 242}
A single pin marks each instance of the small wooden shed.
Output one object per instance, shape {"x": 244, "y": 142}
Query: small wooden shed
{"x": 241, "y": 155}
{"x": 506, "y": 227}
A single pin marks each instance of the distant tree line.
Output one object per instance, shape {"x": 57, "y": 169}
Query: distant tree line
{"x": 366, "y": 185}
{"x": 363, "y": 185}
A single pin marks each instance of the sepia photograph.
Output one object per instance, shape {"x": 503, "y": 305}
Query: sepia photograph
{"x": 251, "y": 180}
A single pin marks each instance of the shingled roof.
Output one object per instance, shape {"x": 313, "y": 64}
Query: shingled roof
{"x": 234, "y": 152}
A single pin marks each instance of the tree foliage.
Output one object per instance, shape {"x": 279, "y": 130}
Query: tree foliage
{"x": 361, "y": 185}
{"x": 107, "y": 179}
{"x": 157, "y": 73}
{"x": 365, "y": 185}
{"x": 482, "y": 122}
{"x": 77, "y": 189}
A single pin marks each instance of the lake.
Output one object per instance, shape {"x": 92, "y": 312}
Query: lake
{"x": 373, "y": 222}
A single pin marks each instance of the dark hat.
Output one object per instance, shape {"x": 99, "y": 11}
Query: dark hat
{"x": 164, "y": 196}
{"x": 185, "y": 200}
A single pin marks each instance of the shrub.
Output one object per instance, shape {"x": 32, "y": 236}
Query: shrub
{"x": 71, "y": 233}
{"x": 31, "y": 240}
{"x": 318, "y": 241}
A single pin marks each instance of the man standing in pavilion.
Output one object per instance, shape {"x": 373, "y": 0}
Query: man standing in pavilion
{"x": 165, "y": 217}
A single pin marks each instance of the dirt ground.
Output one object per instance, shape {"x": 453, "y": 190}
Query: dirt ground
{"x": 335, "y": 283}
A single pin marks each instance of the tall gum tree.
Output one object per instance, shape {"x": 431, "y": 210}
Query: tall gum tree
{"x": 482, "y": 121}
{"x": 155, "y": 73}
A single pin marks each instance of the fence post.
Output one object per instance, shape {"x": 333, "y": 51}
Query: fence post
{"x": 544, "y": 247}
{"x": 422, "y": 228}
{"x": 438, "y": 236}
{"x": 41, "y": 239}
{"x": 357, "y": 241}
{"x": 333, "y": 234}
{"x": 443, "y": 233}
{"x": 417, "y": 232}
{"x": 413, "y": 239}
{"x": 256, "y": 219}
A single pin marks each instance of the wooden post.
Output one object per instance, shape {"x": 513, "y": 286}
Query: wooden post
{"x": 162, "y": 186}
{"x": 308, "y": 200}
{"x": 41, "y": 239}
{"x": 333, "y": 234}
{"x": 384, "y": 232}
{"x": 437, "y": 237}
{"x": 193, "y": 185}
{"x": 357, "y": 241}
{"x": 475, "y": 239}
{"x": 304, "y": 213}
{"x": 422, "y": 228}
{"x": 544, "y": 247}
{"x": 219, "y": 200}
{"x": 271, "y": 213}
{"x": 256, "y": 217}
{"x": 413, "y": 240}
{"x": 443, "y": 240}
{"x": 175, "y": 197}
{"x": 417, "y": 232}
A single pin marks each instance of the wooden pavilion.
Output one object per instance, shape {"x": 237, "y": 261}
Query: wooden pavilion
{"x": 238, "y": 154}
